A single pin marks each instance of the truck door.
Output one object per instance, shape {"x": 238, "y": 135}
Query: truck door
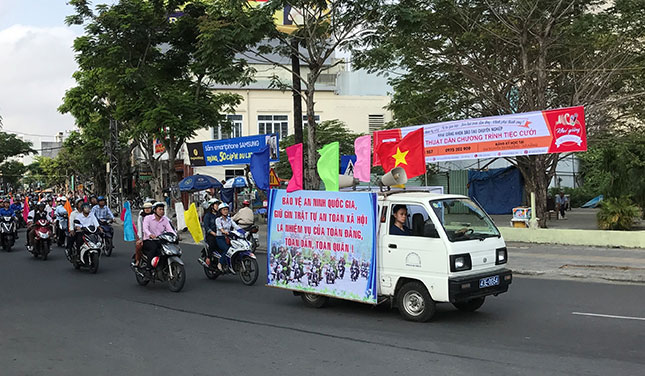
{"x": 415, "y": 252}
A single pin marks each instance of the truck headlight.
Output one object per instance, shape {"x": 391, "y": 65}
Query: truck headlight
{"x": 460, "y": 262}
{"x": 501, "y": 256}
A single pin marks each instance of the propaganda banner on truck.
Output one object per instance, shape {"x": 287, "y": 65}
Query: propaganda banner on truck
{"x": 539, "y": 132}
{"x": 324, "y": 243}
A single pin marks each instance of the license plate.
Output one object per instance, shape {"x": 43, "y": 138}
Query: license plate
{"x": 489, "y": 281}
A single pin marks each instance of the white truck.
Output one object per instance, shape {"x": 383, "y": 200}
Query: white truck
{"x": 445, "y": 249}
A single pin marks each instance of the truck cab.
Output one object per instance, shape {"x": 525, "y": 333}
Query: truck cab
{"x": 437, "y": 248}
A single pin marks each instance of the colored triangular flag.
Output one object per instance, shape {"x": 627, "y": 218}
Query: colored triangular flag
{"x": 294, "y": 154}
{"x": 192, "y": 223}
{"x": 129, "y": 234}
{"x": 25, "y": 210}
{"x": 329, "y": 165}
{"x": 362, "y": 149}
{"x": 260, "y": 168}
{"x": 68, "y": 207}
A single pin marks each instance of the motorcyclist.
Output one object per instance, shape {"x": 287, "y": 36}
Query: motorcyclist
{"x": 93, "y": 201}
{"x": 152, "y": 227}
{"x": 210, "y": 228}
{"x": 104, "y": 216}
{"x": 285, "y": 260}
{"x": 33, "y": 217}
{"x": 224, "y": 225}
{"x": 6, "y": 211}
{"x": 244, "y": 217}
{"x": 17, "y": 205}
{"x": 82, "y": 220}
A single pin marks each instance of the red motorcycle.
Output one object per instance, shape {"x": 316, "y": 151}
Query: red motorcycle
{"x": 43, "y": 239}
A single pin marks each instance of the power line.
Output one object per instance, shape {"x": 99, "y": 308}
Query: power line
{"x": 29, "y": 134}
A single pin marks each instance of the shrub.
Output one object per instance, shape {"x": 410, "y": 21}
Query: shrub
{"x": 617, "y": 214}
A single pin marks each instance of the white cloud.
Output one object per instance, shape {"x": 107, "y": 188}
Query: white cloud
{"x": 36, "y": 66}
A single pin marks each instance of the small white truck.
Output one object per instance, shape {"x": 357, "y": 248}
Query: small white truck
{"x": 449, "y": 251}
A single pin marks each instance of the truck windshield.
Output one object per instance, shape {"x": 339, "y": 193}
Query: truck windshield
{"x": 463, "y": 220}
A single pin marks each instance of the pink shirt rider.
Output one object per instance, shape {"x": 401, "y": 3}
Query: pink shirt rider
{"x": 156, "y": 227}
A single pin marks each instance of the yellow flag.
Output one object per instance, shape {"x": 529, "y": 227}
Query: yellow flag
{"x": 192, "y": 222}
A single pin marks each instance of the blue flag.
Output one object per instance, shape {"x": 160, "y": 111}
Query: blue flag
{"x": 128, "y": 225}
{"x": 260, "y": 168}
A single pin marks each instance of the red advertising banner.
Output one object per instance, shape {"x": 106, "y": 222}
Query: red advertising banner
{"x": 539, "y": 132}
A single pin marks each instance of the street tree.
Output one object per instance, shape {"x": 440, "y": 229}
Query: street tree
{"x": 139, "y": 65}
{"x": 318, "y": 29}
{"x": 12, "y": 172}
{"x": 450, "y": 60}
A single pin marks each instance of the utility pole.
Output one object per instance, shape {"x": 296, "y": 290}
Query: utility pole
{"x": 114, "y": 174}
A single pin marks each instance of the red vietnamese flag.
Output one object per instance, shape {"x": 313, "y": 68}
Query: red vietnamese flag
{"x": 408, "y": 153}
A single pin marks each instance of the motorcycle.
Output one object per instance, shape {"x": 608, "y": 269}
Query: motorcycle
{"x": 354, "y": 273}
{"x": 7, "y": 233}
{"x": 169, "y": 267}
{"x": 60, "y": 228}
{"x": 42, "y": 240}
{"x": 241, "y": 256}
{"x": 251, "y": 235}
{"x": 108, "y": 234}
{"x": 21, "y": 219}
{"x": 89, "y": 253}
{"x": 341, "y": 269}
{"x": 313, "y": 278}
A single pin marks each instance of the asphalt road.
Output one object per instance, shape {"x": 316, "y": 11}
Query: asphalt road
{"x": 55, "y": 320}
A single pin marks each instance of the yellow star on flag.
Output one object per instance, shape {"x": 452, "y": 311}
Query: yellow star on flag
{"x": 399, "y": 157}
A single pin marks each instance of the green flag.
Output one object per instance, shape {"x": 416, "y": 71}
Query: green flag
{"x": 328, "y": 165}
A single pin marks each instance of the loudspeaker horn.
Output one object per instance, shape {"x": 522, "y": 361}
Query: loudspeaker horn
{"x": 397, "y": 176}
{"x": 346, "y": 181}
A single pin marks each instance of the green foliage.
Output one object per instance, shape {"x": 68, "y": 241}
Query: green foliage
{"x": 327, "y": 132}
{"x": 617, "y": 214}
{"x": 12, "y": 172}
{"x": 616, "y": 168}
{"x": 11, "y": 146}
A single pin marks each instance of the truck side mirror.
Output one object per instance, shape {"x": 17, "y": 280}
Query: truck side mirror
{"x": 429, "y": 230}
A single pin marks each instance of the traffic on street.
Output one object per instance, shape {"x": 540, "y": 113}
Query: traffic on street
{"x": 61, "y": 321}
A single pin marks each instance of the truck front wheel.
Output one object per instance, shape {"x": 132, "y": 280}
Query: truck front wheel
{"x": 415, "y": 303}
{"x": 313, "y": 300}
{"x": 470, "y": 305}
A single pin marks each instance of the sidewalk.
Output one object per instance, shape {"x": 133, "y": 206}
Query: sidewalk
{"x": 567, "y": 262}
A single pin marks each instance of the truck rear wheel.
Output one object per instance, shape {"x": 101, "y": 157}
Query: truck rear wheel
{"x": 415, "y": 303}
{"x": 470, "y": 305}
{"x": 313, "y": 300}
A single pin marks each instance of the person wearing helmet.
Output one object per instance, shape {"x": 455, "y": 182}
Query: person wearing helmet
{"x": 93, "y": 201}
{"x": 210, "y": 228}
{"x": 244, "y": 217}
{"x": 145, "y": 211}
{"x": 224, "y": 225}
{"x": 34, "y": 216}
{"x": 84, "y": 219}
{"x": 70, "y": 223}
{"x": 153, "y": 226}
{"x": 101, "y": 211}
{"x": 5, "y": 211}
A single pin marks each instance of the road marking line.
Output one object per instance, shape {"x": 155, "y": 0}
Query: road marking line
{"x": 608, "y": 316}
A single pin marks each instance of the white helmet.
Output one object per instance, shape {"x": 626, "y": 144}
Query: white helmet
{"x": 158, "y": 204}
{"x": 62, "y": 198}
{"x": 223, "y": 206}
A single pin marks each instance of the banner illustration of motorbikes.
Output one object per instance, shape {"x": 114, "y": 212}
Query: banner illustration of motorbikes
{"x": 323, "y": 242}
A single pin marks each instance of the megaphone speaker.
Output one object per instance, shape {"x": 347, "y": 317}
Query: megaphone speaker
{"x": 397, "y": 176}
{"x": 346, "y": 181}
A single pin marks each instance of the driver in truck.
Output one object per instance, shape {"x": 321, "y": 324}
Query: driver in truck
{"x": 400, "y": 215}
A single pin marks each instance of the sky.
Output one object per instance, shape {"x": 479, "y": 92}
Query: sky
{"x": 36, "y": 66}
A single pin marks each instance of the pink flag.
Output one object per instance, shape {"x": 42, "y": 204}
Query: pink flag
{"x": 25, "y": 209}
{"x": 294, "y": 154}
{"x": 362, "y": 148}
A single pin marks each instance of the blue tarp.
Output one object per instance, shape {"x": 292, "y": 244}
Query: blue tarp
{"x": 498, "y": 190}
{"x": 594, "y": 202}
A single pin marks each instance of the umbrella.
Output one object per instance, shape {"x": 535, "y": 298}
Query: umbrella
{"x": 236, "y": 182}
{"x": 198, "y": 183}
